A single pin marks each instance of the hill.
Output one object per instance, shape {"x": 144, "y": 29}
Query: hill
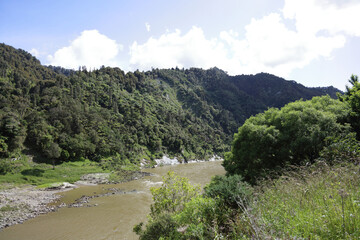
{"x": 66, "y": 115}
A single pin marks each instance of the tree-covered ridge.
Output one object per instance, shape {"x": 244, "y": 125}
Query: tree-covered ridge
{"x": 66, "y": 115}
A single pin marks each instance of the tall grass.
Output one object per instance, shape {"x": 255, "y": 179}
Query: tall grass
{"x": 40, "y": 174}
{"x": 316, "y": 202}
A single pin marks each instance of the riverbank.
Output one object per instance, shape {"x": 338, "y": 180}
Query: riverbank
{"x": 21, "y": 203}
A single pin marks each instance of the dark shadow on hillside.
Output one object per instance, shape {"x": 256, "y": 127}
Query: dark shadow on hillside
{"x": 33, "y": 172}
{"x": 35, "y": 156}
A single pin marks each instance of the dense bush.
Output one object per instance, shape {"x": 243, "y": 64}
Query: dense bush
{"x": 164, "y": 227}
{"x": 201, "y": 218}
{"x": 231, "y": 191}
{"x": 170, "y": 198}
{"x": 5, "y": 166}
{"x": 342, "y": 148}
{"x": 292, "y": 135}
{"x": 172, "y": 195}
{"x": 352, "y": 97}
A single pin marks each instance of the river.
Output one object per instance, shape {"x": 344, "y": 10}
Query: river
{"x": 114, "y": 216}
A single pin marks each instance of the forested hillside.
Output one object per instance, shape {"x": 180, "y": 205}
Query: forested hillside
{"x": 65, "y": 115}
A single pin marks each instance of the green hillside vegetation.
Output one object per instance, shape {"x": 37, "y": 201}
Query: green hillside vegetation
{"x": 292, "y": 173}
{"x": 115, "y": 118}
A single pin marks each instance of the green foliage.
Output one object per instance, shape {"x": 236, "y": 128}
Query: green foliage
{"x": 272, "y": 140}
{"x": 117, "y": 162}
{"x": 201, "y": 219}
{"x": 5, "y": 166}
{"x": 317, "y": 202}
{"x": 13, "y": 165}
{"x": 8, "y": 208}
{"x": 342, "y": 148}
{"x": 163, "y": 227}
{"x": 3, "y": 146}
{"x": 230, "y": 190}
{"x": 352, "y": 97}
{"x": 168, "y": 199}
{"x": 172, "y": 195}
{"x": 180, "y": 212}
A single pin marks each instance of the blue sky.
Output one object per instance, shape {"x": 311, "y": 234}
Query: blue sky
{"x": 314, "y": 42}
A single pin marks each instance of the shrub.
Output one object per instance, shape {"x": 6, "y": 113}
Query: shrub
{"x": 169, "y": 199}
{"x": 201, "y": 218}
{"x": 352, "y": 97}
{"x": 231, "y": 190}
{"x": 172, "y": 195}
{"x": 341, "y": 148}
{"x": 163, "y": 227}
{"x": 5, "y": 166}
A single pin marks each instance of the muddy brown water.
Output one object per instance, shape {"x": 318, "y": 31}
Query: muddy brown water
{"x": 114, "y": 216}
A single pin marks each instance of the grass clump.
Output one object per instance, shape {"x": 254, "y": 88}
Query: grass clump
{"x": 8, "y": 208}
{"x": 316, "y": 202}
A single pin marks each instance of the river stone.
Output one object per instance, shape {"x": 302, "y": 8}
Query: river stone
{"x": 96, "y": 178}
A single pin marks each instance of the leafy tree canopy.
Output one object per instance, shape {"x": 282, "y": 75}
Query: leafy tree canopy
{"x": 352, "y": 96}
{"x": 277, "y": 138}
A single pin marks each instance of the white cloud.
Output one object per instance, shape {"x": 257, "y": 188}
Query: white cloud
{"x": 35, "y": 52}
{"x": 148, "y": 27}
{"x": 173, "y": 49}
{"x": 90, "y": 49}
{"x": 267, "y": 46}
{"x": 335, "y": 17}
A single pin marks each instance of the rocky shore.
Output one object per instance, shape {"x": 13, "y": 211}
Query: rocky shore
{"x": 18, "y": 204}
{"x": 84, "y": 201}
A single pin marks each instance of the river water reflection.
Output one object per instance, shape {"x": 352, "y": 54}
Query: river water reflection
{"x": 114, "y": 216}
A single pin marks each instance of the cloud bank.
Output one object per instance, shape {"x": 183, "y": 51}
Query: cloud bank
{"x": 90, "y": 49}
{"x": 174, "y": 49}
{"x": 278, "y": 43}
{"x": 268, "y": 45}
{"x": 332, "y": 16}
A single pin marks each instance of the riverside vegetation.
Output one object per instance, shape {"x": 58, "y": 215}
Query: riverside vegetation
{"x": 292, "y": 173}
